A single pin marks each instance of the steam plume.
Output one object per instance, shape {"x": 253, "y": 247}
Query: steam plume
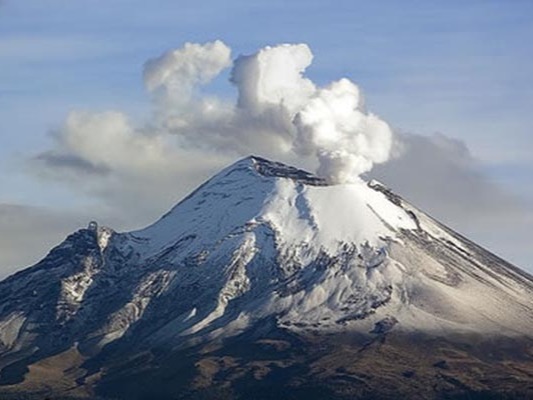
{"x": 346, "y": 140}
{"x": 279, "y": 113}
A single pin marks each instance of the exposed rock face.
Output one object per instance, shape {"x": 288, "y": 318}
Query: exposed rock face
{"x": 267, "y": 275}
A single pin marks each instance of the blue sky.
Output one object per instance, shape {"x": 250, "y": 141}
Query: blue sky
{"x": 459, "y": 68}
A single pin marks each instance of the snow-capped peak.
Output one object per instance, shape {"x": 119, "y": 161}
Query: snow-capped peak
{"x": 264, "y": 240}
{"x": 299, "y": 207}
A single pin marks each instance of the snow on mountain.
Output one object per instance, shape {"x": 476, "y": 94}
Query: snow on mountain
{"x": 262, "y": 240}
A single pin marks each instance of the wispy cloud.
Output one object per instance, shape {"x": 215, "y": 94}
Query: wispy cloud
{"x": 72, "y": 162}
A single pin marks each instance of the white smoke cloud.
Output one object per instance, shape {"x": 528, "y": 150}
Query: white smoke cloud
{"x": 279, "y": 113}
{"x": 329, "y": 123}
{"x": 274, "y": 77}
{"x": 129, "y": 168}
{"x": 177, "y": 72}
{"x": 346, "y": 139}
{"x": 108, "y": 142}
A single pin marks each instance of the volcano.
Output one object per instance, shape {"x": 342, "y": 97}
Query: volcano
{"x": 269, "y": 282}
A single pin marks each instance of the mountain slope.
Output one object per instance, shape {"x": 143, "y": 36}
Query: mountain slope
{"x": 261, "y": 249}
